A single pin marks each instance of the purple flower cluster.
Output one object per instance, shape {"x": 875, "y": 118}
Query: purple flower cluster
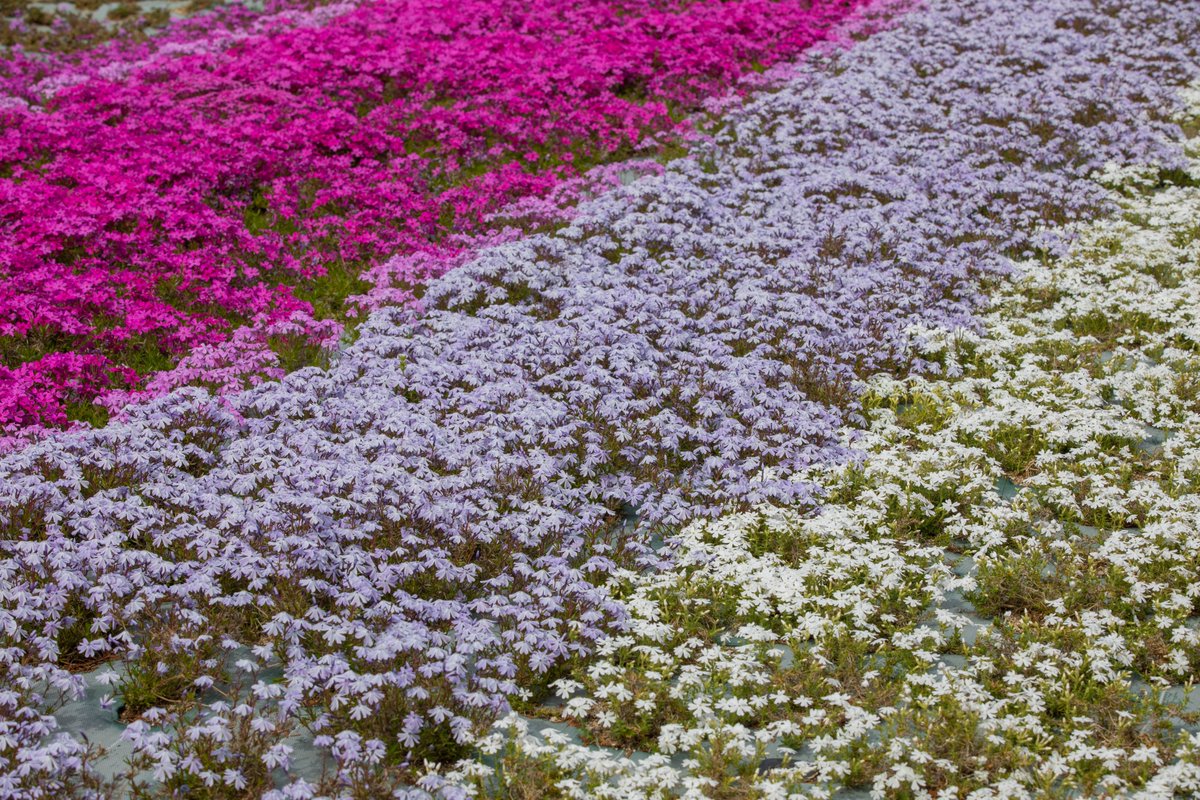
{"x": 407, "y": 538}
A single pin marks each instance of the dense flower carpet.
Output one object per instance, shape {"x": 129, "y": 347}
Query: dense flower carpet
{"x": 607, "y": 399}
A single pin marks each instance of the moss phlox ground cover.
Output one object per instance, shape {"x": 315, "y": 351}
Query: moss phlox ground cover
{"x": 926, "y": 632}
{"x": 769, "y": 466}
{"x": 217, "y": 202}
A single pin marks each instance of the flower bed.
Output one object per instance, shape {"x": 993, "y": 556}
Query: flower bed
{"x": 998, "y": 597}
{"x": 152, "y": 205}
{"x": 378, "y": 559}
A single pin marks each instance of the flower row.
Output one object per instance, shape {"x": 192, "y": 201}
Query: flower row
{"x": 998, "y": 597}
{"x": 151, "y": 208}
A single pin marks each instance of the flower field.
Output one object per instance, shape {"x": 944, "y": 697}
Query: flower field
{"x": 631, "y": 399}
{"x": 215, "y": 210}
